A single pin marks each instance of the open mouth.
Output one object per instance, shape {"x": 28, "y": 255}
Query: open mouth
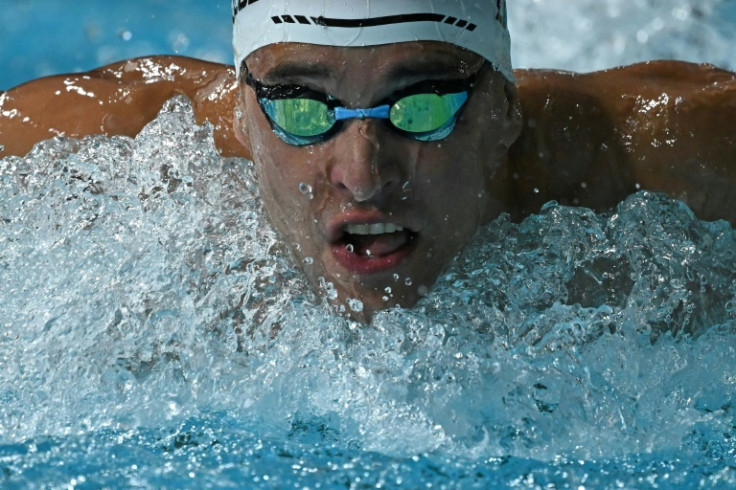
{"x": 369, "y": 248}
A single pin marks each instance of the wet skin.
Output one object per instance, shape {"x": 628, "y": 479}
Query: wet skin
{"x": 435, "y": 192}
{"x": 587, "y": 140}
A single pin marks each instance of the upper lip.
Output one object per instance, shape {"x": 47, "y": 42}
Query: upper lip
{"x": 337, "y": 228}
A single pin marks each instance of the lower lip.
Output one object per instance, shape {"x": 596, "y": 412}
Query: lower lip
{"x": 366, "y": 265}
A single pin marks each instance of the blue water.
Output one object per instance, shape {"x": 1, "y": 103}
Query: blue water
{"x": 153, "y": 333}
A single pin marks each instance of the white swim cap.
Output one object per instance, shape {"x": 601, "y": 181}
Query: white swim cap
{"x": 477, "y": 25}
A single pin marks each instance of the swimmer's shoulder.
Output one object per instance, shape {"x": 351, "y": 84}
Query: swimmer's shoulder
{"x": 593, "y": 138}
{"x": 118, "y": 99}
{"x": 631, "y": 78}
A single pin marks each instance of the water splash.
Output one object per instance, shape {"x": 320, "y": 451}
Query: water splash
{"x": 142, "y": 287}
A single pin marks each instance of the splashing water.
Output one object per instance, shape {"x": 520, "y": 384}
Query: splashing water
{"x": 149, "y": 312}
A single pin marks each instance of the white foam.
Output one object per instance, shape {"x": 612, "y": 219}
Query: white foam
{"x": 142, "y": 283}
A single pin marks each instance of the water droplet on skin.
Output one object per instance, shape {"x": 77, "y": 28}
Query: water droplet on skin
{"x": 408, "y": 281}
{"x": 396, "y": 277}
{"x": 350, "y": 248}
{"x": 306, "y": 189}
{"x": 308, "y": 260}
{"x": 388, "y": 290}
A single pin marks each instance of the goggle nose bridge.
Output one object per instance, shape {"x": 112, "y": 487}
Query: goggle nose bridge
{"x": 380, "y": 112}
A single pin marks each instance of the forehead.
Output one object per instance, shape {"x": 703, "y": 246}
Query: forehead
{"x": 291, "y": 60}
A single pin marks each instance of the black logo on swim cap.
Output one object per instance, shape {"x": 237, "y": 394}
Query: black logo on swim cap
{"x": 501, "y": 16}
{"x": 374, "y": 21}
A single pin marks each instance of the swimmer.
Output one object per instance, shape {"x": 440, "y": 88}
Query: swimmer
{"x": 410, "y": 127}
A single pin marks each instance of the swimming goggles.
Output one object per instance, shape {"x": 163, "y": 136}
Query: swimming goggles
{"x": 426, "y": 111}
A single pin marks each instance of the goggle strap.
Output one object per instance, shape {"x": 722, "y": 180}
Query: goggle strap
{"x": 380, "y": 112}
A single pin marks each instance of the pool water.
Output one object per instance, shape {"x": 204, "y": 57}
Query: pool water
{"x": 154, "y": 333}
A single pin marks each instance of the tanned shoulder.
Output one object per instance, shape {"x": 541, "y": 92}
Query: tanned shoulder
{"x": 592, "y": 139}
{"x": 118, "y": 99}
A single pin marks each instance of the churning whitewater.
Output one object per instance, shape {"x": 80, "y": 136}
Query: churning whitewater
{"x": 142, "y": 286}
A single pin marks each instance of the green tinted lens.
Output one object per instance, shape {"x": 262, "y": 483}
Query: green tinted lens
{"x": 300, "y": 117}
{"x": 422, "y": 113}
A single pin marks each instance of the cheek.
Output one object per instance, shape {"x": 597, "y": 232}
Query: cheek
{"x": 285, "y": 199}
{"x": 288, "y": 178}
{"x": 278, "y": 184}
{"x": 452, "y": 173}
{"x": 452, "y": 180}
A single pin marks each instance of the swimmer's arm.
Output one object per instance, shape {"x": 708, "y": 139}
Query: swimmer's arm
{"x": 593, "y": 139}
{"x": 118, "y": 99}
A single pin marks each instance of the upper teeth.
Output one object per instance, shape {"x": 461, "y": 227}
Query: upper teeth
{"x": 376, "y": 229}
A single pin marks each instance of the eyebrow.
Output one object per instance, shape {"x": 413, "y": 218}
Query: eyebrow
{"x": 426, "y": 69}
{"x": 296, "y": 69}
{"x": 415, "y": 69}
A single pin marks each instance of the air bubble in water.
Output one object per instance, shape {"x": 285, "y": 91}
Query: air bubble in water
{"x": 355, "y": 304}
{"x": 328, "y": 288}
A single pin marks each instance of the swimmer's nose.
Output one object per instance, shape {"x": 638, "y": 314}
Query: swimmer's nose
{"x": 362, "y": 166}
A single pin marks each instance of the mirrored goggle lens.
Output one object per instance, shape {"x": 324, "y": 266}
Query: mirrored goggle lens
{"x": 416, "y": 114}
{"x": 423, "y": 113}
{"x": 300, "y": 117}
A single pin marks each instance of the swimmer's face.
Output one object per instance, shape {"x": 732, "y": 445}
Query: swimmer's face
{"x": 373, "y": 212}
